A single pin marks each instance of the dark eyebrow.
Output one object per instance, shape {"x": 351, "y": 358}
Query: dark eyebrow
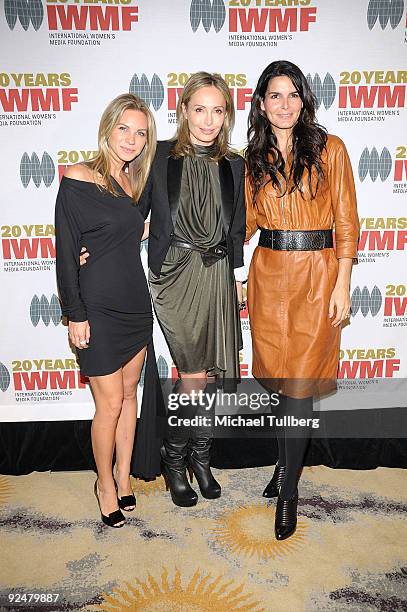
{"x": 277, "y": 92}
{"x": 219, "y": 106}
{"x": 138, "y": 129}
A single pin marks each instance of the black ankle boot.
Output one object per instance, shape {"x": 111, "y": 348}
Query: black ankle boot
{"x": 199, "y": 460}
{"x": 286, "y": 517}
{"x": 173, "y": 455}
{"x": 275, "y": 483}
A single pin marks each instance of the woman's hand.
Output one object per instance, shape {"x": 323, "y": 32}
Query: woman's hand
{"x": 339, "y": 304}
{"x": 146, "y": 231}
{"x": 79, "y": 333}
{"x": 239, "y": 291}
{"x": 83, "y": 256}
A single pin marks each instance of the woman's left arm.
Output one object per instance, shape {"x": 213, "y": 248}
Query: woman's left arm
{"x": 342, "y": 187}
{"x": 237, "y": 234}
{"x": 238, "y": 227}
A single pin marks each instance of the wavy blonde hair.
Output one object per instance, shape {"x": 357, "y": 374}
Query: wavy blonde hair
{"x": 183, "y": 146}
{"x": 139, "y": 168}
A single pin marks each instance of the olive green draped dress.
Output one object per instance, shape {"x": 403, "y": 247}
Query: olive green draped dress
{"x": 196, "y": 306}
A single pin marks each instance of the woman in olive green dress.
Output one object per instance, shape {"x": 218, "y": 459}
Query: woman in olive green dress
{"x": 195, "y": 255}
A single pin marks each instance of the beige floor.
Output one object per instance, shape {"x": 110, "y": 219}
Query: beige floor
{"x": 349, "y": 550}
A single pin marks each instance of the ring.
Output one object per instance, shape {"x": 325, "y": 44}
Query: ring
{"x": 82, "y": 341}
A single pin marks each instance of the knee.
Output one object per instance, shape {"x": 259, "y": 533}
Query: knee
{"x": 112, "y": 408}
{"x": 130, "y": 390}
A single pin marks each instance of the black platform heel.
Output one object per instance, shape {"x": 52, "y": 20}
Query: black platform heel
{"x": 198, "y": 459}
{"x": 286, "y": 517}
{"x": 173, "y": 455}
{"x": 114, "y": 517}
{"x": 275, "y": 483}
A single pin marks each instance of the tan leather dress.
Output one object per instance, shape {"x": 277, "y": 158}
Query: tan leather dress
{"x": 295, "y": 347}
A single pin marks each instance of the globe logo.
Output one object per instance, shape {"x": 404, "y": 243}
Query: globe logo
{"x": 385, "y": 10}
{"x": 324, "y": 91}
{"x": 365, "y": 301}
{"x": 4, "y": 377}
{"x": 162, "y": 368}
{"x": 208, "y": 13}
{"x": 33, "y": 168}
{"x": 371, "y": 163}
{"x": 46, "y": 310}
{"x": 26, "y": 11}
{"x": 151, "y": 93}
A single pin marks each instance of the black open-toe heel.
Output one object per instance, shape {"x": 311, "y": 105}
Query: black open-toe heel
{"x": 275, "y": 483}
{"x": 114, "y": 518}
{"x": 126, "y": 500}
{"x": 286, "y": 517}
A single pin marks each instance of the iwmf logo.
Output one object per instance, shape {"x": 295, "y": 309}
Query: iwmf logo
{"x": 33, "y": 168}
{"x": 152, "y": 93}
{"x": 4, "y": 377}
{"x": 69, "y": 15}
{"x": 375, "y": 165}
{"x": 324, "y": 91}
{"x": 26, "y": 11}
{"x": 381, "y": 165}
{"x": 366, "y": 301}
{"x": 45, "y": 310}
{"x": 385, "y": 10}
{"x": 208, "y": 13}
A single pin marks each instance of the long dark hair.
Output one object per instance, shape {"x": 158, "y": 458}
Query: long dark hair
{"x": 308, "y": 138}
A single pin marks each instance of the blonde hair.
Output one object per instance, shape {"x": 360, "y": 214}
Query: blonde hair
{"x": 139, "y": 168}
{"x": 183, "y": 146}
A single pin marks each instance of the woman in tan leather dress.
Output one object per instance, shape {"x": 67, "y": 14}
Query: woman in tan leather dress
{"x": 299, "y": 186}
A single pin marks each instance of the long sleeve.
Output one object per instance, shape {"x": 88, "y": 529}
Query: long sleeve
{"x": 145, "y": 199}
{"x": 342, "y": 187}
{"x": 237, "y": 230}
{"x": 251, "y": 223}
{"x": 68, "y": 237}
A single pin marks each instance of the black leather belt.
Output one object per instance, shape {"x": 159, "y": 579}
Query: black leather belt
{"x": 209, "y": 256}
{"x": 287, "y": 240}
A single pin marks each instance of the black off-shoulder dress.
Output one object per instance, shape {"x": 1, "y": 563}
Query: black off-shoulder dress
{"x": 111, "y": 292}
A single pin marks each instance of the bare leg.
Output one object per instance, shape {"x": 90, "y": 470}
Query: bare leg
{"x": 192, "y": 382}
{"x": 108, "y": 395}
{"x": 126, "y": 425}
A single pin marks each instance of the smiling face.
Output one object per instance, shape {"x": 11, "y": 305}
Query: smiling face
{"x": 282, "y": 103}
{"x": 205, "y": 114}
{"x": 129, "y": 136}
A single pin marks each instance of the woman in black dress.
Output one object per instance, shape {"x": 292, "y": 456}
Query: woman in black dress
{"x": 108, "y": 304}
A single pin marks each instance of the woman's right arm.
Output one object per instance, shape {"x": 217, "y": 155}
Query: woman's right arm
{"x": 251, "y": 223}
{"x": 68, "y": 238}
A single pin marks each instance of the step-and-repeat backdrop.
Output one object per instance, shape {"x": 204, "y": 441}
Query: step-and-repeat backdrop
{"x": 62, "y": 61}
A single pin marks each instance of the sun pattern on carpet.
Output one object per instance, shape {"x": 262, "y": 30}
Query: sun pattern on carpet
{"x": 201, "y": 593}
{"x": 249, "y": 530}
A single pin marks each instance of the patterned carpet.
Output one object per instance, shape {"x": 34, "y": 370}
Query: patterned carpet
{"x": 349, "y": 552}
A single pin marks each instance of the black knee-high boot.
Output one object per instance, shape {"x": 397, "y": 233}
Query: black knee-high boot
{"x": 276, "y": 481}
{"x": 297, "y": 439}
{"x": 174, "y": 459}
{"x": 199, "y": 447}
